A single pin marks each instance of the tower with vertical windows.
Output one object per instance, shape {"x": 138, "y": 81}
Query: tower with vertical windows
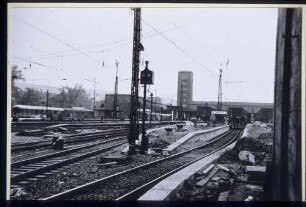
{"x": 184, "y": 88}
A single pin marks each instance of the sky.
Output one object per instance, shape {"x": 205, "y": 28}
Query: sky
{"x": 68, "y": 46}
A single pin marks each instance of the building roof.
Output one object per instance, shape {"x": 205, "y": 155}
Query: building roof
{"x": 77, "y": 109}
{"x": 38, "y": 107}
{"x": 185, "y": 71}
{"x": 219, "y": 112}
{"x": 50, "y": 108}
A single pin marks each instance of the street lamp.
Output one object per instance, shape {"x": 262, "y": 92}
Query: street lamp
{"x": 146, "y": 77}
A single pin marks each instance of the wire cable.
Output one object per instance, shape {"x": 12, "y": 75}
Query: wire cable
{"x": 57, "y": 39}
{"x": 179, "y": 48}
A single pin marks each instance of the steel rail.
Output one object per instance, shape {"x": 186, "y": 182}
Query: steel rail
{"x": 56, "y": 154}
{"x": 52, "y": 166}
{"x": 68, "y": 136}
{"x": 74, "y": 140}
{"x": 83, "y": 187}
{"x": 135, "y": 194}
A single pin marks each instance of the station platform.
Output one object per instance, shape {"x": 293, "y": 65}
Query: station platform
{"x": 206, "y": 135}
{"x": 164, "y": 189}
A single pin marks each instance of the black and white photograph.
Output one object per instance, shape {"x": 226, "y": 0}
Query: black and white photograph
{"x": 152, "y": 102}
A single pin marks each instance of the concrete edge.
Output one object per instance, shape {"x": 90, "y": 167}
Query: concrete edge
{"x": 188, "y": 136}
{"x": 172, "y": 184}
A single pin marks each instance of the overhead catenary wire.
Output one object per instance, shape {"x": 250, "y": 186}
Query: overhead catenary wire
{"x": 199, "y": 44}
{"x": 57, "y": 39}
{"x": 49, "y": 67}
{"x": 179, "y": 48}
{"x": 103, "y": 50}
{"x": 29, "y": 61}
{"x": 52, "y": 55}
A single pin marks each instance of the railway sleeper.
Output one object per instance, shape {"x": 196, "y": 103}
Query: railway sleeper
{"x": 43, "y": 169}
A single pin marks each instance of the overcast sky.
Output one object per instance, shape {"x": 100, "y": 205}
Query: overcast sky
{"x": 73, "y": 44}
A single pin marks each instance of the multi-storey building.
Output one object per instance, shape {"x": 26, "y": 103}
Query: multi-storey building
{"x": 184, "y": 88}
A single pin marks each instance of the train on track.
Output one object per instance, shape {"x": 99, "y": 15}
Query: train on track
{"x": 237, "y": 117}
{"x": 42, "y": 113}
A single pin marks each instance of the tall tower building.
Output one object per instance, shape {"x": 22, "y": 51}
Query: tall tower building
{"x": 184, "y": 88}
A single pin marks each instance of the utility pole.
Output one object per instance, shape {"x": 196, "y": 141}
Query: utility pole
{"x": 47, "y": 103}
{"x": 94, "y": 85}
{"x": 151, "y": 107}
{"x": 155, "y": 102}
{"x": 161, "y": 114}
{"x": 116, "y": 92}
{"x": 137, "y": 47}
{"x": 94, "y": 94}
{"x": 219, "y": 106}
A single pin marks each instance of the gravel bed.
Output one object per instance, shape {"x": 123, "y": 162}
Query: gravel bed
{"x": 24, "y": 139}
{"x": 67, "y": 143}
{"x": 120, "y": 185}
{"x": 78, "y": 174}
{"x": 19, "y": 156}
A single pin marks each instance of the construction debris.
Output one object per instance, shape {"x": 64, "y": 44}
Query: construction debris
{"x": 227, "y": 170}
{"x": 223, "y": 196}
{"x": 109, "y": 164}
{"x": 93, "y": 169}
{"x": 246, "y": 156}
{"x": 249, "y": 198}
{"x": 34, "y": 132}
{"x": 114, "y": 158}
{"x": 17, "y": 192}
{"x": 256, "y": 173}
{"x": 169, "y": 131}
{"x": 243, "y": 191}
{"x": 57, "y": 142}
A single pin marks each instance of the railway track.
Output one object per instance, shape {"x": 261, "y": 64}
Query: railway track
{"x": 22, "y": 170}
{"x": 78, "y": 138}
{"x": 133, "y": 182}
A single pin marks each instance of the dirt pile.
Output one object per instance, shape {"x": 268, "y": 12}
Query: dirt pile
{"x": 256, "y": 129}
{"x": 260, "y": 147}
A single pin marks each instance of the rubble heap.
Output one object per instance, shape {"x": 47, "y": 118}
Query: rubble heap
{"x": 239, "y": 174}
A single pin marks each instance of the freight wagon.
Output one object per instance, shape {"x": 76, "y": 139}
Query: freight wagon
{"x": 237, "y": 117}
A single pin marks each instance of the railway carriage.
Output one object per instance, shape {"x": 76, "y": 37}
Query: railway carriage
{"x": 40, "y": 113}
{"x": 237, "y": 117}
{"x": 77, "y": 114}
{"x": 28, "y": 112}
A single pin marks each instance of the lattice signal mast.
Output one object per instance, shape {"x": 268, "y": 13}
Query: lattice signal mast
{"x": 219, "y": 106}
{"x": 137, "y": 47}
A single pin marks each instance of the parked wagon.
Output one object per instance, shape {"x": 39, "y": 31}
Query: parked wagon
{"x": 237, "y": 117}
{"x": 43, "y": 113}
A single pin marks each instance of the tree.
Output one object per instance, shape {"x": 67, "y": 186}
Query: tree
{"x": 16, "y": 91}
{"x": 75, "y": 96}
{"x": 31, "y": 97}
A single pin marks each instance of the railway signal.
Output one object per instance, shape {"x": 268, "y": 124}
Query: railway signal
{"x": 146, "y": 77}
